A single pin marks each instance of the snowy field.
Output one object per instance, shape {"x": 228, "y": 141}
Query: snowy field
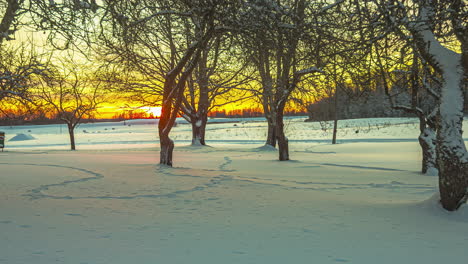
{"x": 361, "y": 201}
{"x": 143, "y": 133}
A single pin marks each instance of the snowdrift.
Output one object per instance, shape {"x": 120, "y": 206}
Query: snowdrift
{"x": 22, "y": 137}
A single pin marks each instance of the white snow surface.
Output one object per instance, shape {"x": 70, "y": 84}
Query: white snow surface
{"x": 22, "y": 137}
{"x": 235, "y": 132}
{"x": 361, "y": 201}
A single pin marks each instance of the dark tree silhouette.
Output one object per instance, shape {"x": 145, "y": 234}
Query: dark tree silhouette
{"x": 71, "y": 93}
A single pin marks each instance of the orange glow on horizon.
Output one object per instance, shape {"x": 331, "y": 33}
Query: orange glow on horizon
{"x": 126, "y": 111}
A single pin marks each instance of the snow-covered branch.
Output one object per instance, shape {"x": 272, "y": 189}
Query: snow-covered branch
{"x": 308, "y": 71}
{"x": 330, "y": 6}
{"x": 160, "y": 13}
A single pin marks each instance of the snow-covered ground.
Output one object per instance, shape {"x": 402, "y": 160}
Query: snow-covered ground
{"x": 143, "y": 133}
{"x": 361, "y": 201}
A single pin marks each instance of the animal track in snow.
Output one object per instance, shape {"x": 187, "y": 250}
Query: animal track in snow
{"x": 38, "y": 193}
{"x": 227, "y": 161}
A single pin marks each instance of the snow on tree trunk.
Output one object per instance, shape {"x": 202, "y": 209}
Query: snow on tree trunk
{"x": 427, "y": 141}
{"x": 452, "y": 154}
{"x": 199, "y": 118}
{"x": 452, "y": 157}
{"x": 71, "y": 132}
{"x": 10, "y": 13}
{"x": 198, "y": 131}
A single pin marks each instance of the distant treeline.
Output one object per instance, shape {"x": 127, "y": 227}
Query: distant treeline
{"x": 45, "y": 121}
{"x": 251, "y": 112}
{"x": 246, "y": 112}
{"x": 352, "y": 105}
{"x": 39, "y": 119}
{"x": 367, "y": 104}
{"x": 134, "y": 114}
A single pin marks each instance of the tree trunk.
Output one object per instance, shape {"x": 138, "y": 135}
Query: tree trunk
{"x": 71, "y": 132}
{"x": 335, "y": 130}
{"x": 167, "y": 148}
{"x": 172, "y": 99}
{"x": 283, "y": 147}
{"x": 200, "y": 117}
{"x": 453, "y": 175}
{"x": 198, "y": 131}
{"x": 452, "y": 155}
{"x": 427, "y": 141}
{"x": 335, "y": 118}
{"x": 271, "y": 136}
{"x": 8, "y": 19}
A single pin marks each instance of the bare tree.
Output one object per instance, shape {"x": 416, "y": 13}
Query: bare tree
{"x": 10, "y": 10}
{"x": 364, "y": 43}
{"x": 410, "y": 85}
{"x": 423, "y": 84}
{"x": 66, "y": 23}
{"x": 71, "y": 93}
{"x": 438, "y": 29}
{"x": 164, "y": 41}
{"x": 277, "y": 38}
{"x": 20, "y": 67}
{"x": 215, "y": 82}
{"x": 65, "y": 18}
{"x": 453, "y": 67}
{"x": 17, "y": 64}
